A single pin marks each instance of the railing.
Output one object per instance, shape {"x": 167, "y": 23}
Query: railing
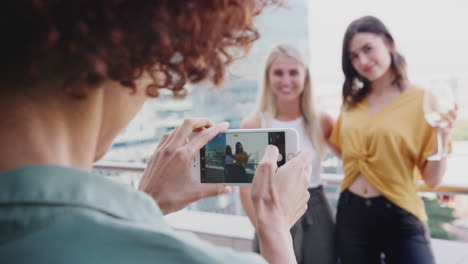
{"x": 125, "y": 166}
{"x": 332, "y": 179}
{"x": 229, "y": 226}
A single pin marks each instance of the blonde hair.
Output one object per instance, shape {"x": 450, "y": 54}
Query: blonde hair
{"x": 266, "y": 103}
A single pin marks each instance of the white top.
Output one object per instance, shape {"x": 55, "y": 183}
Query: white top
{"x": 304, "y": 143}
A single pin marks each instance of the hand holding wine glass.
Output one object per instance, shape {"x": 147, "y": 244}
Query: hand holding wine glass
{"x": 440, "y": 110}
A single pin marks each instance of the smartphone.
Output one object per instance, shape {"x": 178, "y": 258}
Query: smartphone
{"x": 232, "y": 157}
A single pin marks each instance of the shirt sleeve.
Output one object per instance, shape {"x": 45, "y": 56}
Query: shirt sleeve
{"x": 335, "y": 137}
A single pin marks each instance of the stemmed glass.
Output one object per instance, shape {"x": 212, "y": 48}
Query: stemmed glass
{"x": 439, "y": 99}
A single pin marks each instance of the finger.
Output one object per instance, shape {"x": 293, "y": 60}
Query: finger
{"x": 303, "y": 158}
{"x": 454, "y": 113}
{"x": 449, "y": 120}
{"x": 212, "y": 190}
{"x": 202, "y": 138}
{"x": 268, "y": 164}
{"x": 169, "y": 138}
{"x": 188, "y": 126}
{"x": 450, "y": 114}
{"x": 450, "y": 125}
{"x": 201, "y": 128}
{"x": 307, "y": 173}
{"x": 165, "y": 139}
{"x": 271, "y": 154}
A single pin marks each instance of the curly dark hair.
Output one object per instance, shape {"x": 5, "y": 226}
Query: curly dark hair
{"x": 369, "y": 24}
{"x": 89, "y": 41}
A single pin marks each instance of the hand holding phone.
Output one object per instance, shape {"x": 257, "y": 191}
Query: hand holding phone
{"x": 168, "y": 176}
{"x": 233, "y": 156}
{"x": 279, "y": 197}
{"x": 289, "y": 183}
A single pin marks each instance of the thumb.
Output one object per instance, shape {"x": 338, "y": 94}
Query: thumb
{"x": 212, "y": 190}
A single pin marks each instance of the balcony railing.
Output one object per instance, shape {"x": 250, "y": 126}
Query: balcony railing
{"x": 227, "y": 224}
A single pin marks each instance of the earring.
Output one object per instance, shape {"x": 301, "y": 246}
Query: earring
{"x": 357, "y": 84}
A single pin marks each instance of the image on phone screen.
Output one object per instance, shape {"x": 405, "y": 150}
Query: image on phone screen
{"x": 233, "y": 157}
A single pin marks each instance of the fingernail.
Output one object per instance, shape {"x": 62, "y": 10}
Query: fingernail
{"x": 227, "y": 190}
{"x": 224, "y": 125}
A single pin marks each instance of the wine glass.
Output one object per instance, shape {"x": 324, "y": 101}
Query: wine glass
{"x": 439, "y": 98}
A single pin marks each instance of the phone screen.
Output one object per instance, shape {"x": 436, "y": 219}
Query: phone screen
{"x": 233, "y": 157}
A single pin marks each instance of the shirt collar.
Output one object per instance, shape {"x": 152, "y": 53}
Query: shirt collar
{"x": 54, "y": 185}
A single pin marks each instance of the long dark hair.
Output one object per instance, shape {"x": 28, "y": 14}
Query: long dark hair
{"x": 239, "y": 148}
{"x": 228, "y": 151}
{"x": 368, "y": 24}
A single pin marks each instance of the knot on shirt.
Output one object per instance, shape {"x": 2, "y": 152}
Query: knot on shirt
{"x": 363, "y": 156}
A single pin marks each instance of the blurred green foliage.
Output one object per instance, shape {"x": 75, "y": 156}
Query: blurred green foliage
{"x": 437, "y": 215}
{"x": 460, "y": 131}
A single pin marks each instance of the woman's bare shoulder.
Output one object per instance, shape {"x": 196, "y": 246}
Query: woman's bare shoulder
{"x": 252, "y": 121}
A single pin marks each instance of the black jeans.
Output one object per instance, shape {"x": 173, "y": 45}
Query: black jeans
{"x": 375, "y": 230}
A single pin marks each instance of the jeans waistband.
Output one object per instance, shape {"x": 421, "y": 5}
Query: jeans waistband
{"x": 349, "y": 197}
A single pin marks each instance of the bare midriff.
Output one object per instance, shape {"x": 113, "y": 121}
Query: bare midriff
{"x": 362, "y": 187}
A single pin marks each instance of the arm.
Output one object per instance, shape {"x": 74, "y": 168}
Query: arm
{"x": 327, "y": 123}
{"x": 245, "y": 195}
{"x": 433, "y": 171}
{"x": 274, "y": 236}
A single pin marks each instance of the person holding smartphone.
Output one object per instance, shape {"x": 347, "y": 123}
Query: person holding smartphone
{"x": 286, "y": 101}
{"x": 385, "y": 143}
{"x": 73, "y": 74}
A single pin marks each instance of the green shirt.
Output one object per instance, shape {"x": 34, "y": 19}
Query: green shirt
{"x": 52, "y": 214}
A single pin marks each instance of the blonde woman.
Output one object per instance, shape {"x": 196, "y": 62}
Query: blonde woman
{"x": 286, "y": 101}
